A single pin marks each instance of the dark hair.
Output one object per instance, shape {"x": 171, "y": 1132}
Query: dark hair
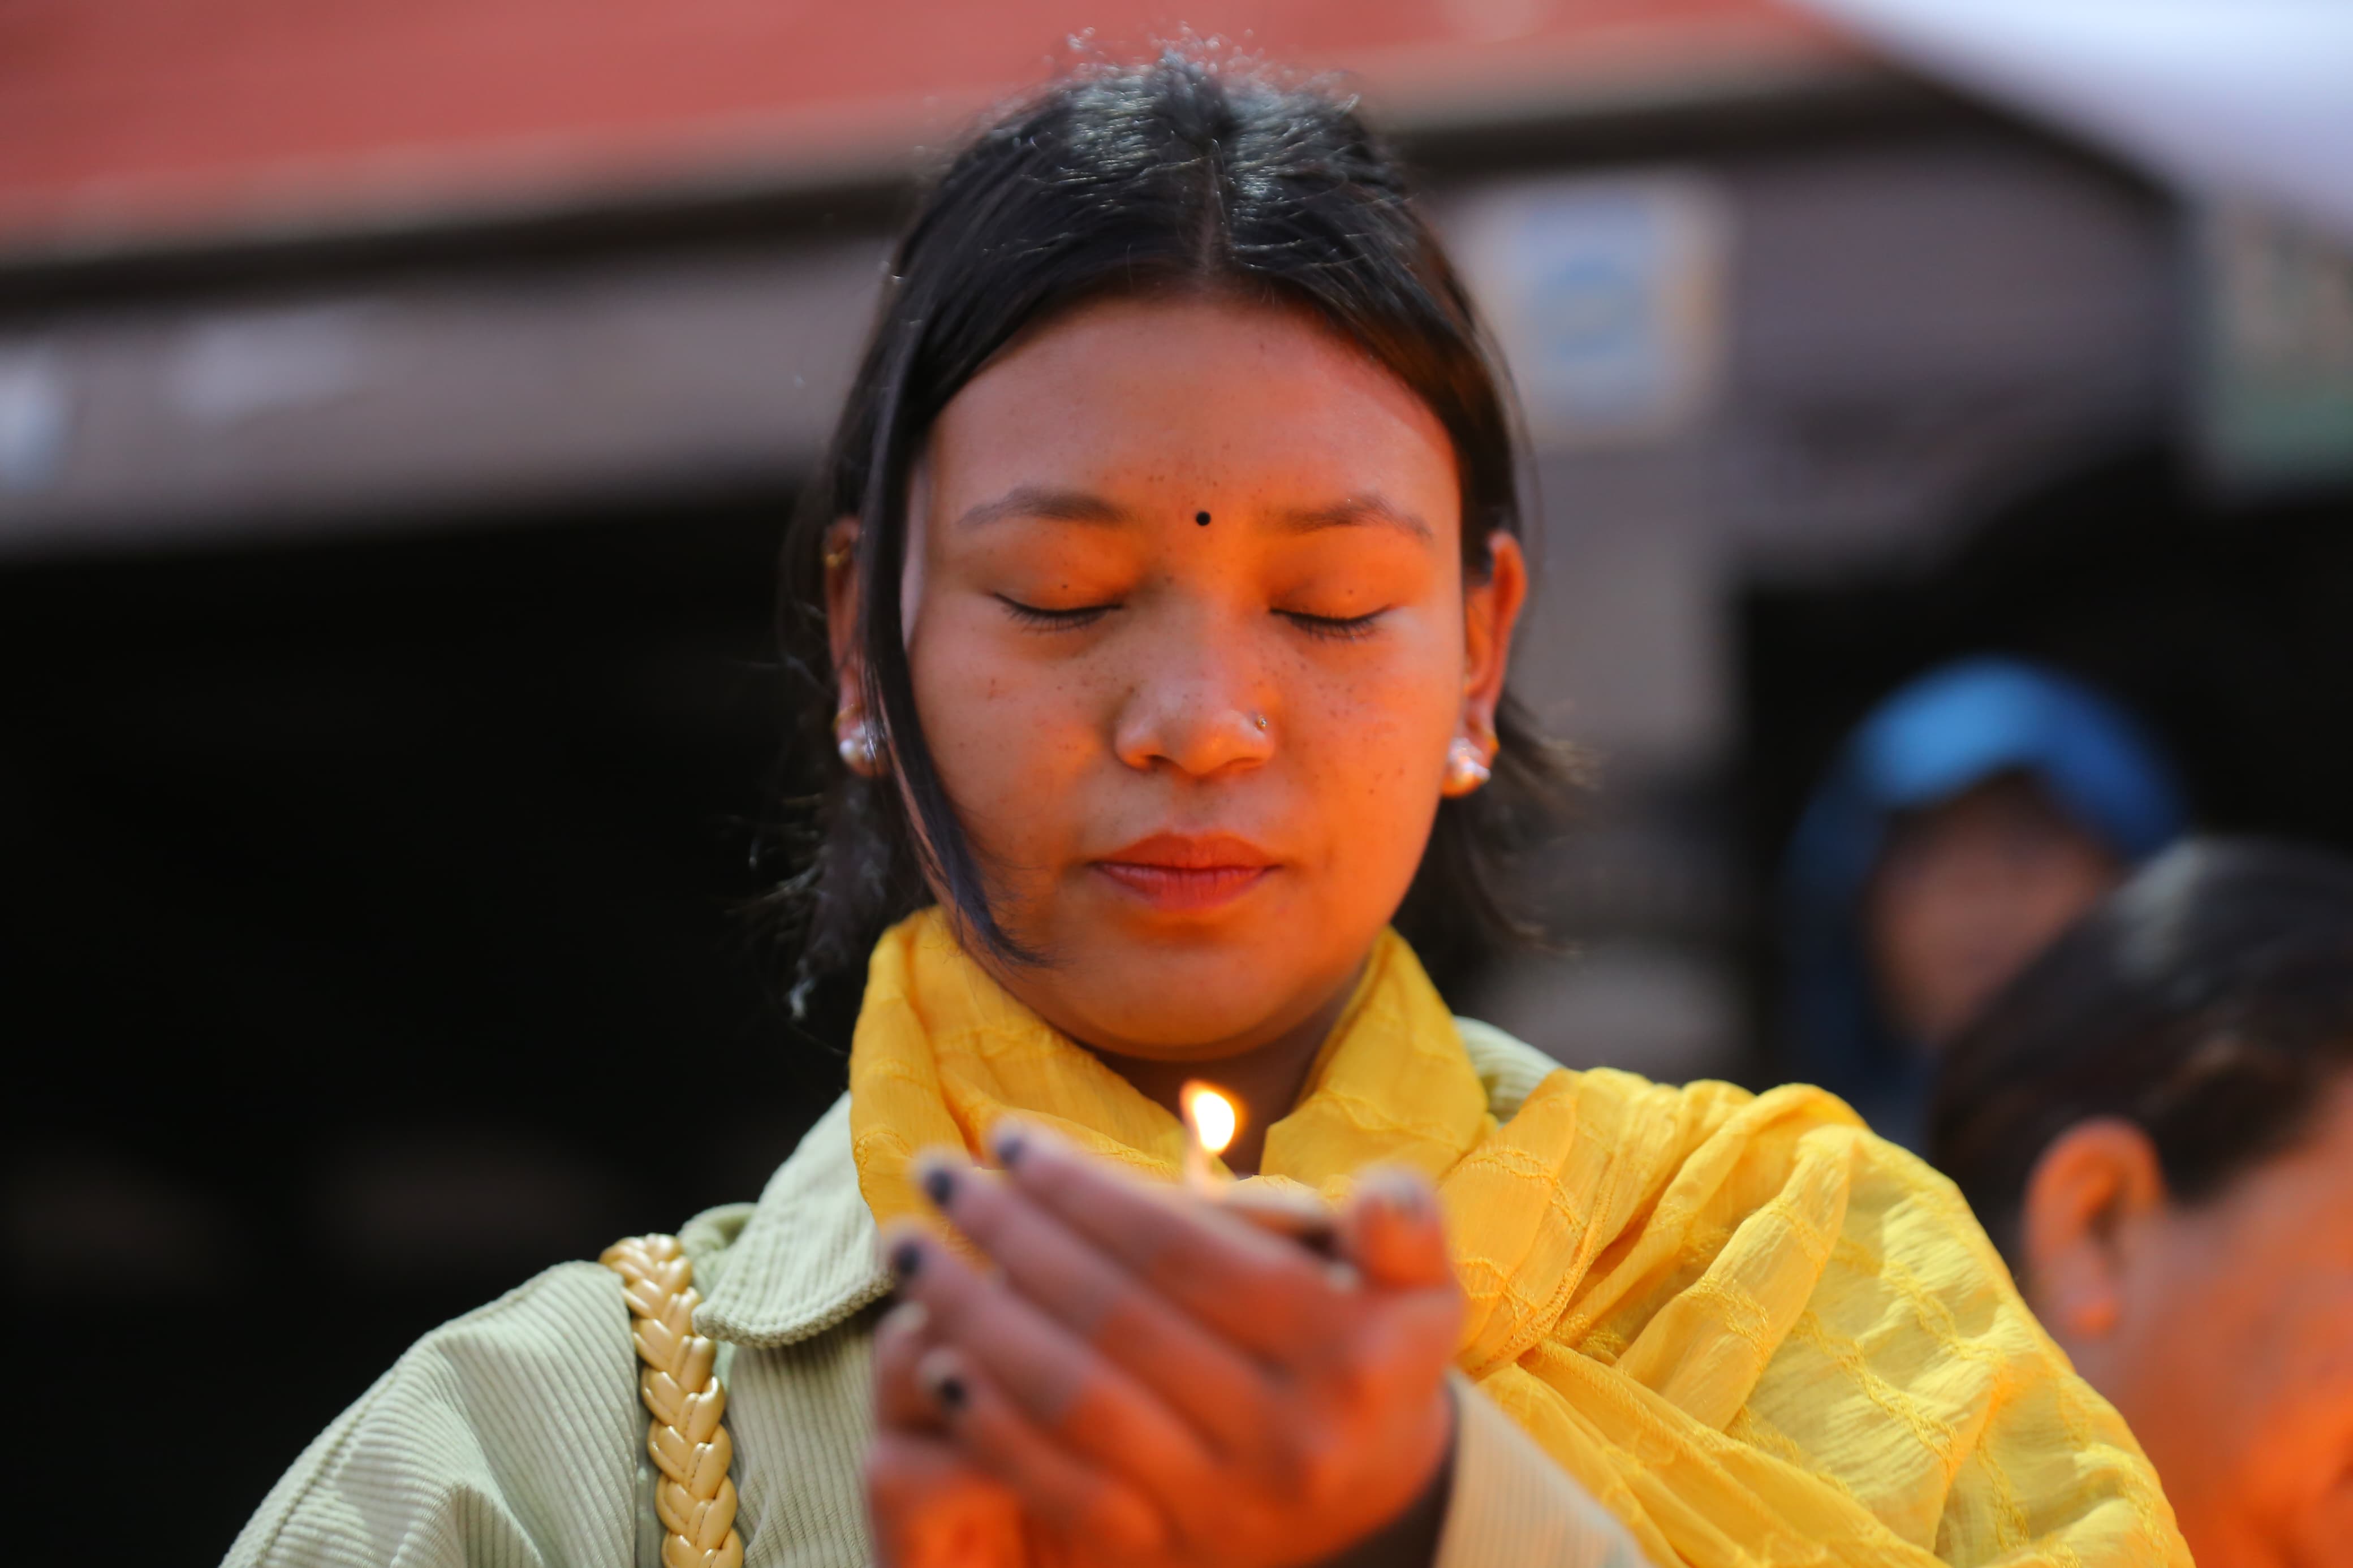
{"x": 2209, "y": 1000}
{"x": 1186, "y": 173}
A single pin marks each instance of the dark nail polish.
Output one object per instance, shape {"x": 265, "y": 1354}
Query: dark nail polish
{"x": 1009, "y": 1150}
{"x": 905, "y": 1258}
{"x": 953, "y": 1394}
{"x": 938, "y": 1186}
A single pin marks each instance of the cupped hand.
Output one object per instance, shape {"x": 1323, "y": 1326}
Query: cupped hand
{"x": 1147, "y": 1377}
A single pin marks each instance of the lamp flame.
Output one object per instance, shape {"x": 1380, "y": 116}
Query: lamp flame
{"x": 1210, "y": 1116}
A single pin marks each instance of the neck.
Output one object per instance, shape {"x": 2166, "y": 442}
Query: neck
{"x": 1265, "y": 1081}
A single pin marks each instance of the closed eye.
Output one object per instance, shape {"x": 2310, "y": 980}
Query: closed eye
{"x": 1055, "y": 620}
{"x": 1335, "y": 628}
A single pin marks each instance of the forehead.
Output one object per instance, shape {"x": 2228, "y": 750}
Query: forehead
{"x": 1129, "y": 395}
{"x": 2010, "y": 802}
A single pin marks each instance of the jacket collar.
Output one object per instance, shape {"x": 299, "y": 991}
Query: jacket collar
{"x": 806, "y": 1258}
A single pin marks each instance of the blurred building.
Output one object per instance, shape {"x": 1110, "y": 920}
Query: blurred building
{"x": 399, "y": 407}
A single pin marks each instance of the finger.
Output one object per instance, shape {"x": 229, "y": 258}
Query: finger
{"x": 900, "y": 1341}
{"x": 1391, "y": 1230}
{"x": 1075, "y": 1498}
{"x": 930, "y": 1506}
{"x": 1263, "y": 1293}
{"x": 1398, "y": 1356}
{"x": 1061, "y": 1383}
{"x": 1212, "y": 1384}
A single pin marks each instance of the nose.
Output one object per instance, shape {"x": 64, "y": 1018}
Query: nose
{"x": 1198, "y": 707}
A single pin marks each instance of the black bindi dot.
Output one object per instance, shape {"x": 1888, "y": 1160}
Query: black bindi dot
{"x": 1201, "y": 519}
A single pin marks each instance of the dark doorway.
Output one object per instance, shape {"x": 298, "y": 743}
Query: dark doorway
{"x": 371, "y": 912}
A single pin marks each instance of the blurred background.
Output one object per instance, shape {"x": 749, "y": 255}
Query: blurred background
{"x": 399, "y": 407}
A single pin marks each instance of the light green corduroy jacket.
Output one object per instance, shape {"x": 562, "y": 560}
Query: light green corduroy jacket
{"x": 514, "y": 1435}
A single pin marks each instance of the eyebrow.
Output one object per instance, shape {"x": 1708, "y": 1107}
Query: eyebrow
{"x": 1357, "y": 511}
{"x": 1043, "y": 501}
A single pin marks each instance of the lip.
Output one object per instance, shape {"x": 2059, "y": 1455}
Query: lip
{"x": 1184, "y": 873}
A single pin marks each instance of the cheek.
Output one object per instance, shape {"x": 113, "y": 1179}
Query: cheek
{"x": 2059, "y": 892}
{"x": 1369, "y": 727}
{"x": 2245, "y": 1377}
{"x": 1008, "y": 738}
{"x": 1367, "y": 739}
{"x": 2304, "y": 1343}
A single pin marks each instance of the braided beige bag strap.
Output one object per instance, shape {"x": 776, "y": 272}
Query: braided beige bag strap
{"x": 695, "y": 1498}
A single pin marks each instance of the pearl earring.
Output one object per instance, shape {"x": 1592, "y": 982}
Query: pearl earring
{"x": 1466, "y": 767}
{"x": 854, "y": 738}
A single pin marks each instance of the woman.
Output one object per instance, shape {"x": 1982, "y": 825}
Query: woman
{"x": 2155, "y": 1122}
{"x": 1164, "y": 574}
{"x": 1972, "y": 818}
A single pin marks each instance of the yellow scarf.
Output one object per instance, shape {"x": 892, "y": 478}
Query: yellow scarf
{"x": 1759, "y": 1334}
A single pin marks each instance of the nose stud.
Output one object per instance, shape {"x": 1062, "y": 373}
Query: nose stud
{"x": 1258, "y": 719}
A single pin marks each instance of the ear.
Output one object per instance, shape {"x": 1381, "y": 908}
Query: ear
{"x": 1491, "y": 609}
{"x": 2087, "y": 1200}
{"x": 840, "y": 550}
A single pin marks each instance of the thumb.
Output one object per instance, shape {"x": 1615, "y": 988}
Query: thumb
{"x": 1392, "y": 1232}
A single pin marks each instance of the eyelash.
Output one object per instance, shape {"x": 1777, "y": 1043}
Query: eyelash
{"x": 1334, "y": 628}
{"x": 1055, "y": 620}
{"x": 1331, "y": 628}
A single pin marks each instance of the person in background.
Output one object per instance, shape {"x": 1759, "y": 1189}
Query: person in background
{"x": 1969, "y": 820}
{"x": 2155, "y": 1123}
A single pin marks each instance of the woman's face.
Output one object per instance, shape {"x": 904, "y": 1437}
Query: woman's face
{"x": 1966, "y": 893}
{"x": 1190, "y": 635}
{"x": 2223, "y": 1333}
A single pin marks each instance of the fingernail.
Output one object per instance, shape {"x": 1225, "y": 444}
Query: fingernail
{"x": 905, "y": 1258}
{"x": 1405, "y": 1199}
{"x": 951, "y": 1393}
{"x": 1009, "y": 1148}
{"x": 938, "y": 1186}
